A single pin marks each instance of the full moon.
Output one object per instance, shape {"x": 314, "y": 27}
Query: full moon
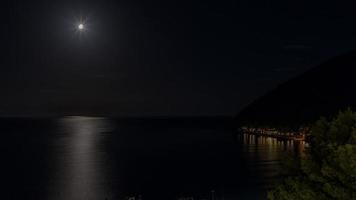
{"x": 81, "y": 26}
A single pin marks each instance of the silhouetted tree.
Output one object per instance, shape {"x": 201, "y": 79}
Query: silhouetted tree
{"x": 328, "y": 169}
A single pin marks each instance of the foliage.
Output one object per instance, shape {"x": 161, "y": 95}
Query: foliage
{"x": 328, "y": 169}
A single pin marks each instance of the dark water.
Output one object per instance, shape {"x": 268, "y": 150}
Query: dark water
{"x": 77, "y": 158}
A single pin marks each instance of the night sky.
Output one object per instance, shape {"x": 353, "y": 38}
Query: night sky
{"x": 161, "y": 58}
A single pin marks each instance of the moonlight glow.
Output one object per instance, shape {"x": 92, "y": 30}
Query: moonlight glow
{"x": 81, "y": 26}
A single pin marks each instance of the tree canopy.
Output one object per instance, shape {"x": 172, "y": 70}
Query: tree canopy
{"x": 328, "y": 168}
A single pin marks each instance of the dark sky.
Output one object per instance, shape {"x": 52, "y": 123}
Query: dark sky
{"x": 161, "y": 57}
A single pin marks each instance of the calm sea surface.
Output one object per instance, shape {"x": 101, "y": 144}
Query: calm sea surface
{"x": 85, "y": 158}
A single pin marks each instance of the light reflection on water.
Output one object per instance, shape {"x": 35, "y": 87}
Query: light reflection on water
{"x": 79, "y": 165}
{"x": 265, "y": 154}
{"x": 85, "y": 158}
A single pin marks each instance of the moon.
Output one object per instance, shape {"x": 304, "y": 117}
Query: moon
{"x": 81, "y": 26}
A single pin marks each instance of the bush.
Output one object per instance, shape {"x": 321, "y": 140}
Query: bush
{"x": 328, "y": 169}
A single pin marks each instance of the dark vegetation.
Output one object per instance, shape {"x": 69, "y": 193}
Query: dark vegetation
{"x": 328, "y": 169}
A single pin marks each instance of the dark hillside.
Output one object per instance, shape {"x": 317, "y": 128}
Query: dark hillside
{"x": 321, "y": 91}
